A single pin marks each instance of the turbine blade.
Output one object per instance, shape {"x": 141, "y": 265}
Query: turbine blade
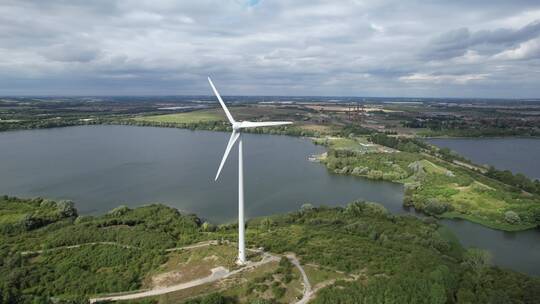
{"x": 229, "y": 116}
{"x": 256, "y": 124}
{"x": 232, "y": 140}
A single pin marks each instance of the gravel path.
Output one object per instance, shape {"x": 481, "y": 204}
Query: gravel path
{"x": 308, "y": 292}
{"x": 217, "y": 274}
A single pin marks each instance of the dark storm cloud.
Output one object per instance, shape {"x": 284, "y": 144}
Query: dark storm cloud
{"x": 304, "y": 47}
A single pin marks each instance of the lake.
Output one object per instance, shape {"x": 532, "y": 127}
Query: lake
{"x": 101, "y": 167}
{"x": 519, "y": 155}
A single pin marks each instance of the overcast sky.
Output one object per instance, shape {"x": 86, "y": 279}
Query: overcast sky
{"x": 457, "y": 48}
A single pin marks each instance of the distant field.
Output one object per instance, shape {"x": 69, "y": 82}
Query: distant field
{"x": 189, "y": 117}
{"x": 321, "y": 129}
{"x": 357, "y": 144}
{"x": 239, "y": 113}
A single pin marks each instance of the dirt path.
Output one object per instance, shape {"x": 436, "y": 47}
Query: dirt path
{"x": 308, "y": 292}
{"x": 218, "y": 273}
{"x": 198, "y": 245}
{"x": 77, "y": 246}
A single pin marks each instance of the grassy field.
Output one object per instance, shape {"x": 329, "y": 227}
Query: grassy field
{"x": 239, "y": 113}
{"x": 356, "y": 144}
{"x": 186, "y": 118}
{"x": 317, "y": 274}
{"x": 215, "y": 120}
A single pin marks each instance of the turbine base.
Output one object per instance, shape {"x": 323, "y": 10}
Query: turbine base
{"x": 241, "y": 263}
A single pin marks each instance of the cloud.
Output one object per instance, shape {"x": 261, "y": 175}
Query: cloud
{"x": 458, "y": 42}
{"x": 431, "y": 78}
{"x": 279, "y": 47}
{"x": 527, "y": 50}
{"x": 71, "y": 52}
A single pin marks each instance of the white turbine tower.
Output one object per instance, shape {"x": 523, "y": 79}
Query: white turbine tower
{"x": 237, "y": 127}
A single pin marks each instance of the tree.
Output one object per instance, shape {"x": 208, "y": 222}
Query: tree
{"x": 437, "y": 294}
{"x": 465, "y": 296}
{"x": 46, "y": 203}
{"x": 512, "y": 217}
{"x": 119, "y": 211}
{"x": 208, "y": 227}
{"x": 536, "y": 216}
{"x": 261, "y": 301}
{"x": 214, "y": 298}
{"x": 477, "y": 260}
{"x": 434, "y": 206}
{"x": 66, "y": 208}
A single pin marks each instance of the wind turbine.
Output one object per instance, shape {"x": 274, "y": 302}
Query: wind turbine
{"x": 237, "y": 127}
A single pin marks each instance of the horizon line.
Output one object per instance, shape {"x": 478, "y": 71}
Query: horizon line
{"x": 263, "y": 96}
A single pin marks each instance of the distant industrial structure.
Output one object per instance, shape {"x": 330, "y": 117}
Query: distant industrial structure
{"x": 355, "y": 111}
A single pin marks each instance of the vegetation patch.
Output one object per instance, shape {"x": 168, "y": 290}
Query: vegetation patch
{"x": 185, "y": 118}
{"x": 378, "y": 255}
{"x": 441, "y": 188}
{"x": 318, "y": 274}
{"x": 190, "y": 264}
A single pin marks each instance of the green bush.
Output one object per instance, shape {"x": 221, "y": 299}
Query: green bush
{"x": 278, "y": 291}
{"x": 433, "y": 206}
{"x": 512, "y": 217}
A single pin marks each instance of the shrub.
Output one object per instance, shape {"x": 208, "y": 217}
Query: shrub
{"x": 29, "y": 222}
{"x": 66, "y": 208}
{"x": 511, "y": 217}
{"x": 82, "y": 219}
{"x": 261, "y": 301}
{"x": 433, "y": 206}
{"x": 47, "y": 203}
{"x": 306, "y": 207}
{"x": 214, "y": 298}
{"x": 119, "y": 211}
{"x": 477, "y": 259}
{"x": 208, "y": 227}
{"x": 375, "y": 174}
{"x": 358, "y": 208}
{"x": 278, "y": 291}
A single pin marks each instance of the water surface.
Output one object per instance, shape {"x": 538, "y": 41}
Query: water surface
{"x": 519, "y": 155}
{"x": 519, "y": 251}
{"x": 100, "y": 167}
